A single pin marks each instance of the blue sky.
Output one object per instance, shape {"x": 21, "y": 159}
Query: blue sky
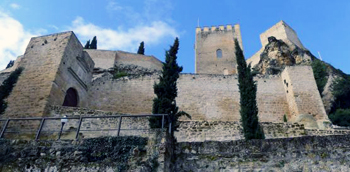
{"x": 321, "y": 25}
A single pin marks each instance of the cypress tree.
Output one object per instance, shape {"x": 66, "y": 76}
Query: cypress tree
{"x": 7, "y": 86}
{"x": 247, "y": 89}
{"x": 141, "y": 48}
{"x": 87, "y": 45}
{"x": 93, "y": 44}
{"x": 166, "y": 91}
{"x": 10, "y": 64}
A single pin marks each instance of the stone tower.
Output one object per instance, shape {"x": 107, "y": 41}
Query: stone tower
{"x": 56, "y": 70}
{"x": 215, "y": 49}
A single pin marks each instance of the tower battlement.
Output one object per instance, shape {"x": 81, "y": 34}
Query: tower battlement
{"x": 220, "y": 28}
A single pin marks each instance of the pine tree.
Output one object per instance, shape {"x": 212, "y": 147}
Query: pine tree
{"x": 7, "y": 86}
{"x": 166, "y": 91}
{"x": 247, "y": 89}
{"x": 87, "y": 45}
{"x": 93, "y": 44}
{"x": 141, "y": 48}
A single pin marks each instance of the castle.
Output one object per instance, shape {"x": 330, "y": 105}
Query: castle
{"x": 59, "y": 72}
{"x": 61, "y": 78}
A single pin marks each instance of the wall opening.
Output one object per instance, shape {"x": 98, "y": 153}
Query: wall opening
{"x": 71, "y": 99}
{"x": 218, "y": 53}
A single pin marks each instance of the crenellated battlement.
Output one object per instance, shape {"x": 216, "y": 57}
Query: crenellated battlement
{"x": 219, "y": 28}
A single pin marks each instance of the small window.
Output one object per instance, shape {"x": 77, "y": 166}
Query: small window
{"x": 219, "y": 53}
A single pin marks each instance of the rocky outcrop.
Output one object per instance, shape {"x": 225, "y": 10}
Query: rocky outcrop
{"x": 278, "y": 54}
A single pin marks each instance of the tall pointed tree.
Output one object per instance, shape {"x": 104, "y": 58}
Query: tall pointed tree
{"x": 247, "y": 89}
{"x": 10, "y": 64}
{"x": 87, "y": 45}
{"x": 93, "y": 44}
{"x": 166, "y": 91}
{"x": 141, "y": 48}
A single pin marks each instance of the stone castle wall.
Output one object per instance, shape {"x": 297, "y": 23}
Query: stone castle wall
{"x": 205, "y": 97}
{"x": 214, "y": 97}
{"x": 223, "y": 131}
{"x": 105, "y": 59}
{"x": 208, "y": 41}
{"x": 312, "y": 153}
{"x": 88, "y": 155}
{"x": 303, "y": 98}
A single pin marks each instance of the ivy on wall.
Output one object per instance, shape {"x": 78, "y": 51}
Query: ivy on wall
{"x": 6, "y": 88}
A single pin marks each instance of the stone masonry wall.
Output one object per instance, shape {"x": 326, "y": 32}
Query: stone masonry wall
{"x": 204, "y": 97}
{"x": 302, "y": 96}
{"x": 208, "y": 41}
{"x": 329, "y": 153}
{"x": 90, "y": 127}
{"x": 75, "y": 71}
{"x": 201, "y": 131}
{"x": 41, "y": 61}
{"x": 96, "y": 127}
{"x": 87, "y": 155}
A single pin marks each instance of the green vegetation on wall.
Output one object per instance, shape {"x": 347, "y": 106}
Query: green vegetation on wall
{"x": 247, "y": 89}
{"x": 320, "y": 74}
{"x": 119, "y": 74}
{"x": 166, "y": 91}
{"x": 6, "y": 88}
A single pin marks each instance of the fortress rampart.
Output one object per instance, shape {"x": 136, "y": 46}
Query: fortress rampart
{"x": 216, "y": 97}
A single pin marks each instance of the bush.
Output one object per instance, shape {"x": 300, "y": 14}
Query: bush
{"x": 341, "y": 117}
{"x": 119, "y": 75}
{"x": 341, "y": 92}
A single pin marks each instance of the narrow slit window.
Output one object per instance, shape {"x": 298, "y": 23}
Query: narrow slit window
{"x": 219, "y": 53}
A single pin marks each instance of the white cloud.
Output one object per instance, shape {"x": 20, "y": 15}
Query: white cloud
{"x": 13, "y": 39}
{"x": 15, "y": 6}
{"x": 123, "y": 39}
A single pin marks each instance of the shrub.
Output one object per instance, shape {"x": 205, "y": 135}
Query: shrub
{"x": 119, "y": 75}
{"x": 341, "y": 117}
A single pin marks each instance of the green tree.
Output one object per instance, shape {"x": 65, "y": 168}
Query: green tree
{"x": 166, "y": 91}
{"x": 10, "y": 64}
{"x": 340, "y": 117}
{"x": 247, "y": 89}
{"x": 320, "y": 74}
{"x": 141, "y": 48}
{"x": 6, "y": 88}
{"x": 93, "y": 44}
{"x": 341, "y": 92}
{"x": 87, "y": 45}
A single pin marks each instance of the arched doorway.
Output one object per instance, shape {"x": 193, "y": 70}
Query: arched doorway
{"x": 71, "y": 98}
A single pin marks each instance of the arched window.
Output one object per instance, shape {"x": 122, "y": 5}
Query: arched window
{"x": 218, "y": 53}
{"x": 71, "y": 98}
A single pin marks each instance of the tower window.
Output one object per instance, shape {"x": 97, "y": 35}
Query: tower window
{"x": 219, "y": 53}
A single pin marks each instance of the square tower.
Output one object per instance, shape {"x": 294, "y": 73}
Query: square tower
{"x": 215, "y": 49}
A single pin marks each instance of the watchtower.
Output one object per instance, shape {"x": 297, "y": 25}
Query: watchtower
{"x": 215, "y": 49}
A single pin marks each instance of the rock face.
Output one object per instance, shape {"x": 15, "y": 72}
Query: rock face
{"x": 277, "y": 55}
